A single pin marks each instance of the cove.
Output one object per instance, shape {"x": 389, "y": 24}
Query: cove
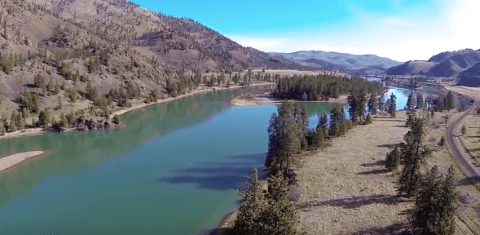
{"x": 173, "y": 170}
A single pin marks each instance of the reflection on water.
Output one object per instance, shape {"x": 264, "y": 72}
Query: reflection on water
{"x": 174, "y": 162}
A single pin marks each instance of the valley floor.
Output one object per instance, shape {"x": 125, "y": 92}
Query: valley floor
{"x": 346, "y": 190}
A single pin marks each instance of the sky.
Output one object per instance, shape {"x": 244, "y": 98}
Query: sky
{"x": 402, "y": 30}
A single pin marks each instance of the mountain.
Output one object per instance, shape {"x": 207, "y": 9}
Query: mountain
{"x": 363, "y": 64}
{"x": 470, "y": 77}
{"x": 108, "y": 45}
{"x": 445, "y": 64}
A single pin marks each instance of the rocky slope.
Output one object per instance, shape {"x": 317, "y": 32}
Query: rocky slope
{"x": 69, "y": 55}
{"x": 363, "y": 64}
{"x": 445, "y": 64}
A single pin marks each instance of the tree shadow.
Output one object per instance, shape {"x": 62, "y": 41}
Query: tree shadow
{"x": 397, "y": 229}
{"x": 474, "y": 150}
{"x": 222, "y": 175}
{"x": 468, "y": 181}
{"x": 356, "y": 201}
{"x": 371, "y": 164}
{"x": 391, "y": 146}
{"x": 374, "y": 172}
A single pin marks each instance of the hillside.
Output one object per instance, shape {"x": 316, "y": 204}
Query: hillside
{"x": 362, "y": 64}
{"x": 470, "y": 77}
{"x": 73, "y": 54}
{"x": 445, "y": 64}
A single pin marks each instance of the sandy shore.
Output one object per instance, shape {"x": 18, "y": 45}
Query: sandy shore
{"x": 39, "y": 131}
{"x": 14, "y": 159}
{"x": 256, "y": 101}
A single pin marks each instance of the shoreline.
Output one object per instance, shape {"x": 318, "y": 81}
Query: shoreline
{"x": 14, "y": 159}
{"x": 41, "y": 131}
{"x": 255, "y": 102}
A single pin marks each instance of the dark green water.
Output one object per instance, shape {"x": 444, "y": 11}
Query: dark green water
{"x": 173, "y": 170}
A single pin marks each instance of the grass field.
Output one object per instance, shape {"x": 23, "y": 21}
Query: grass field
{"x": 346, "y": 190}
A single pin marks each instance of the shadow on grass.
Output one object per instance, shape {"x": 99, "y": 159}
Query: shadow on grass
{"x": 397, "y": 229}
{"x": 356, "y": 202}
{"x": 468, "y": 181}
{"x": 391, "y": 146}
{"x": 374, "y": 172}
{"x": 231, "y": 173}
{"x": 377, "y": 163}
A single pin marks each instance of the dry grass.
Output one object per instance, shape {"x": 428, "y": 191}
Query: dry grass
{"x": 471, "y": 139}
{"x": 468, "y": 219}
{"x": 345, "y": 189}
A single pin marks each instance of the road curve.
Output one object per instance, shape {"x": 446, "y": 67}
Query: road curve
{"x": 459, "y": 155}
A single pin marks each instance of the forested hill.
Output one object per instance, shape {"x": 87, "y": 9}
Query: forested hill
{"x": 109, "y": 43}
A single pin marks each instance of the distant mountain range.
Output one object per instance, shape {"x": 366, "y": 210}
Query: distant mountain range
{"x": 445, "y": 64}
{"x": 361, "y": 64}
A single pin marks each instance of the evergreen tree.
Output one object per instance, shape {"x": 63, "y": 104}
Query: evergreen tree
{"x": 2, "y": 129}
{"x": 266, "y": 212}
{"x": 392, "y": 105}
{"x": 435, "y": 203}
{"x": 414, "y": 154}
{"x": 372, "y": 104}
{"x": 420, "y": 101}
{"x": 450, "y": 101}
{"x": 393, "y": 159}
{"x": 63, "y": 121}
{"x": 368, "y": 120}
{"x": 442, "y": 141}
{"x": 337, "y": 120}
{"x": 116, "y": 119}
{"x": 410, "y": 102}
{"x": 253, "y": 204}
{"x": 286, "y": 134}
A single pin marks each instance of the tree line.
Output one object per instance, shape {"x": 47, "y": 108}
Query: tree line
{"x": 322, "y": 87}
{"x": 270, "y": 211}
{"x": 435, "y": 193}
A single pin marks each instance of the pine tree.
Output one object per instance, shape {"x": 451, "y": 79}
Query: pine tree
{"x": 442, "y": 141}
{"x": 368, "y": 120}
{"x": 392, "y": 105}
{"x": 420, "y": 101}
{"x": 254, "y": 202}
{"x": 414, "y": 154}
{"x": 2, "y": 129}
{"x": 393, "y": 159}
{"x": 450, "y": 101}
{"x": 266, "y": 212}
{"x": 63, "y": 121}
{"x": 410, "y": 102}
{"x": 435, "y": 203}
{"x": 372, "y": 104}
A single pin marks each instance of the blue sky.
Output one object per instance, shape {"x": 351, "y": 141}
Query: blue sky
{"x": 398, "y": 29}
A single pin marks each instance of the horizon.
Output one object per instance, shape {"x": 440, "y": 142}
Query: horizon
{"x": 418, "y": 29}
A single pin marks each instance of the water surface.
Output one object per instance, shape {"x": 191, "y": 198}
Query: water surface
{"x": 173, "y": 170}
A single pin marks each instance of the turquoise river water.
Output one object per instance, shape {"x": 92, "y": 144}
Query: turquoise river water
{"x": 173, "y": 170}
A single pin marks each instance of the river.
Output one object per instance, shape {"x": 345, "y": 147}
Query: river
{"x": 173, "y": 170}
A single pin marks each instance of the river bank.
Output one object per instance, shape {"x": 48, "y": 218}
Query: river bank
{"x": 14, "y": 159}
{"x": 265, "y": 99}
{"x": 136, "y": 104}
